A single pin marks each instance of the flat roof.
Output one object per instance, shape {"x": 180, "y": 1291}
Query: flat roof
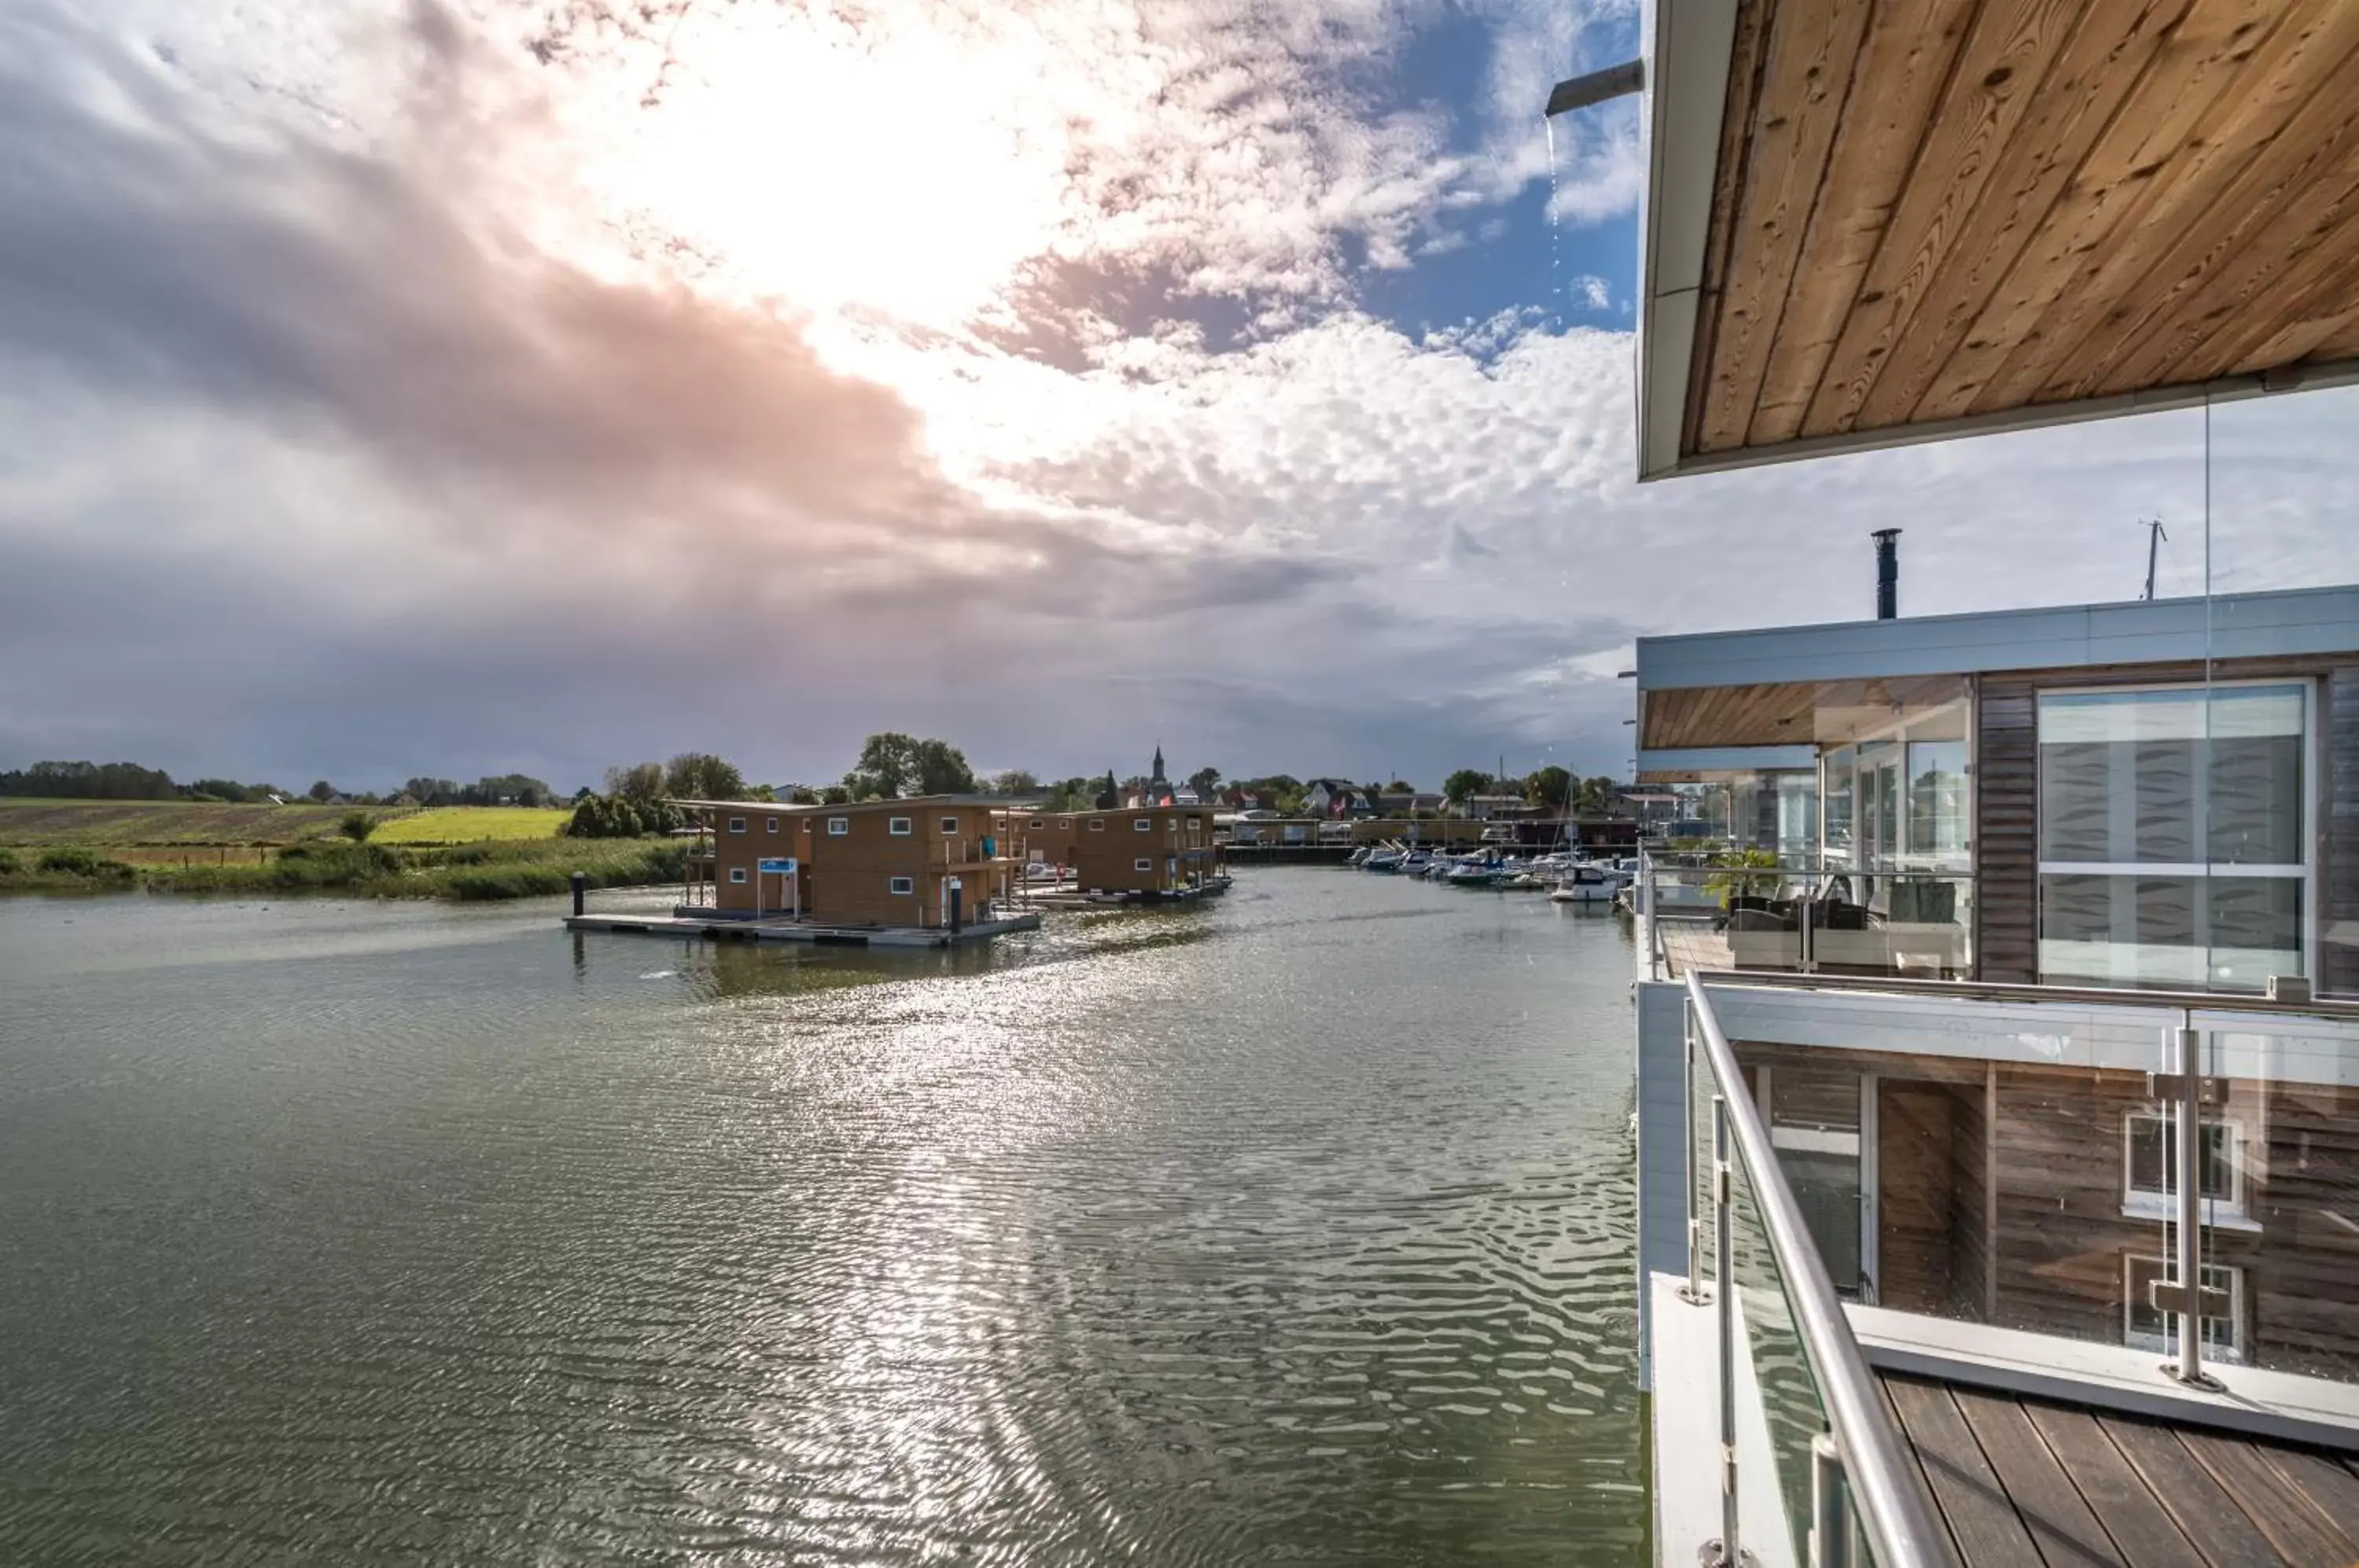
{"x": 1759, "y": 687}
{"x": 995, "y": 803}
{"x": 1868, "y": 225}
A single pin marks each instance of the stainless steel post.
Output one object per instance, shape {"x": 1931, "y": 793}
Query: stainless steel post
{"x": 1693, "y": 1290}
{"x": 1725, "y": 1293}
{"x": 2191, "y": 1196}
{"x": 1830, "y": 1509}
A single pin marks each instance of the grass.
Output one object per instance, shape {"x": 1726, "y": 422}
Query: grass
{"x": 513, "y": 868}
{"x": 472, "y": 824}
{"x": 28, "y": 822}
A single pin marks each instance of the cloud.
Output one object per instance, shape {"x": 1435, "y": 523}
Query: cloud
{"x": 364, "y": 410}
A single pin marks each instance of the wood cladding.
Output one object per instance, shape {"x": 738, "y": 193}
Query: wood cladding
{"x": 1963, "y": 207}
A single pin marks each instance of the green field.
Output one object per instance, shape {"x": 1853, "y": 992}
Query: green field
{"x": 29, "y": 823}
{"x": 472, "y": 824}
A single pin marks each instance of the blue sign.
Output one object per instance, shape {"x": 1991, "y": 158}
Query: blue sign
{"x": 782, "y": 867}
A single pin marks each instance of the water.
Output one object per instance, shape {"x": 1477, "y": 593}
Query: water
{"x": 1292, "y": 1229}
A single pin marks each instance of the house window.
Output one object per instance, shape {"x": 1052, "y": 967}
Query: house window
{"x": 1037, "y": 822}
{"x": 737, "y": 874}
{"x": 898, "y": 827}
{"x": 1144, "y": 824}
{"x": 807, "y": 824}
{"x": 1142, "y": 866}
{"x": 2143, "y": 1327}
{"x": 1097, "y": 824}
{"x": 2174, "y": 836}
{"x": 838, "y": 827}
{"x": 950, "y": 824}
{"x": 737, "y": 825}
{"x": 2150, "y": 1166}
{"x": 901, "y": 885}
{"x": 1064, "y": 822}
{"x": 773, "y": 824}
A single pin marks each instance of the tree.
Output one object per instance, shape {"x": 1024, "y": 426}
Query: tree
{"x": 700, "y": 776}
{"x": 1465, "y": 782}
{"x": 222, "y": 790}
{"x": 639, "y": 781}
{"x": 801, "y": 795}
{"x": 942, "y": 769}
{"x": 357, "y": 826}
{"x": 1400, "y": 786}
{"x": 90, "y": 781}
{"x": 1204, "y": 780}
{"x": 1015, "y": 781}
{"x": 887, "y": 767}
{"x": 1552, "y": 787}
{"x": 322, "y": 791}
{"x": 835, "y": 795}
{"x": 1598, "y": 796}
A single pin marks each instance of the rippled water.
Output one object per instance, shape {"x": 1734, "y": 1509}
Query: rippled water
{"x": 1292, "y": 1229}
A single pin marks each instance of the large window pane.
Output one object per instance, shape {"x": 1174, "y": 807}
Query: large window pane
{"x": 2197, "y": 933}
{"x": 1937, "y": 797}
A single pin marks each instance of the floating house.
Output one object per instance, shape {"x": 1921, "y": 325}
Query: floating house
{"x": 1146, "y": 851}
{"x": 921, "y": 864}
{"x": 1998, "y": 1143}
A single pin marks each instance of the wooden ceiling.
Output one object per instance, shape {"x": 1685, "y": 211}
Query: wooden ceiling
{"x": 1794, "y": 712}
{"x": 1928, "y": 211}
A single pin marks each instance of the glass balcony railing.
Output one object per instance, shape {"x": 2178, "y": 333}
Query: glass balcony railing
{"x": 1725, "y": 913}
{"x": 1811, "y": 1457}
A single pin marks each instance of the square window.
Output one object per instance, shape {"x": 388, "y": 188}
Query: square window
{"x": 774, "y": 824}
{"x": 1142, "y": 866}
{"x": 1038, "y": 824}
{"x": 898, "y": 827}
{"x": 950, "y": 824}
{"x": 736, "y": 874}
{"x": 737, "y": 825}
{"x": 1097, "y": 824}
{"x": 837, "y": 827}
{"x": 1145, "y": 824}
{"x": 902, "y": 885}
{"x": 1064, "y": 822}
{"x": 2150, "y": 1165}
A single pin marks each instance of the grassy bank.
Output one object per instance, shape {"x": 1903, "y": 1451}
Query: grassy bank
{"x": 516, "y": 868}
{"x": 472, "y": 824}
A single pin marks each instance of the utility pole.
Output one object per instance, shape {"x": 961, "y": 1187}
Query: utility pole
{"x": 2154, "y": 536}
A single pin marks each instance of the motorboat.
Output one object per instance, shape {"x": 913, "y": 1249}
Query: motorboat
{"x": 1588, "y": 884}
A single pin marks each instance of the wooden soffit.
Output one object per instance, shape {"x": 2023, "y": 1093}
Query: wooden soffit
{"x": 1926, "y": 218}
{"x": 1786, "y": 713}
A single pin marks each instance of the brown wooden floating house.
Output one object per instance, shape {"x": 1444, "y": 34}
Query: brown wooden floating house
{"x": 877, "y": 863}
{"x": 1145, "y": 851}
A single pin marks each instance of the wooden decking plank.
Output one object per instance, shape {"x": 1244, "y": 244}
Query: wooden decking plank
{"x": 2098, "y": 69}
{"x": 2329, "y": 1485}
{"x": 1903, "y": 65}
{"x": 1983, "y": 1522}
{"x": 2202, "y": 57}
{"x": 1814, "y": 45}
{"x": 2005, "y": 56}
{"x": 2278, "y": 1508}
{"x": 2185, "y": 189}
{"x": 2050, "y": 1506}
{"x": 2140, "y": 1527}
{"x": 2209, "y": 1516}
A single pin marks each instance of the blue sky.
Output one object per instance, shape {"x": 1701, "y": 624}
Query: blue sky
{"x": 462, "y": 386}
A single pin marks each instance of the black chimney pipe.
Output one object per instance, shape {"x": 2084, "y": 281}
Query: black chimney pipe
{"x": 1887, "y": 572}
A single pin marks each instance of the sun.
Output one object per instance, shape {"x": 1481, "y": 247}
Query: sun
{"x": 899, "y": 167}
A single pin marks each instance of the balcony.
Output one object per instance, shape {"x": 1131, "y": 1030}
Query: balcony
{"x": 1913, "y": 1259}
{"x": 1787, "y": 917}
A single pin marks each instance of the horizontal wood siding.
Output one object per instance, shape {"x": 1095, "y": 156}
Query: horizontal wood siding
{"x": 2006, "y": 845}
{"x": 2338, "y": 958}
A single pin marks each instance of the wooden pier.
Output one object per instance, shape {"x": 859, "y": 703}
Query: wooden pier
{"x": 695, "y": 921}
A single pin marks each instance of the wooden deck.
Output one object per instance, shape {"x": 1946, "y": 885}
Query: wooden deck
{"x": 2026, "y": 1483}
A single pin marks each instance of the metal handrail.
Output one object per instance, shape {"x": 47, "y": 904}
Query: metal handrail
{"x": 2019, "y": 991}
{"x": 1892, "y": 1510}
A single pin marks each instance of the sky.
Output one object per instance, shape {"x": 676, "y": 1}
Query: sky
{"x": 459, "y": 387}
